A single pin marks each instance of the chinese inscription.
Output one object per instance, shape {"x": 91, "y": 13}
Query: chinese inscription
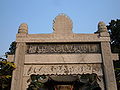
{"x": 62, "y": 48}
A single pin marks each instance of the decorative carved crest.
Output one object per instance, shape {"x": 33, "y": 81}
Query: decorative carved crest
{"x": 62, "y": 24}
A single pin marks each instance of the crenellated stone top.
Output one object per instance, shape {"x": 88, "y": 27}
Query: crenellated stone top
{"x": 23, "y": 28}
{"x": 62, "y": 24}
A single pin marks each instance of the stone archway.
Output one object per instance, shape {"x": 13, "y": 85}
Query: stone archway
{"x": 63, "y": 53}
{"x": 64, "y": 82}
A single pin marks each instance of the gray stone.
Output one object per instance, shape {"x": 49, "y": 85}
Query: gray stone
{"x": 48, "y": 61}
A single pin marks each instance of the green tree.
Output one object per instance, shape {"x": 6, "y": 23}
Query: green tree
{"x": 6, "y": 69}
{"x": 11, "y": 49}
{"x": 114, "y": 30}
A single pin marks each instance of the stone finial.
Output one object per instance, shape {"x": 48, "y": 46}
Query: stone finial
{"x": 102, "y": 30}
{"x": 23, "y": 28}
{"x": 102, "y": 27}
{"x": 62, "y": 24}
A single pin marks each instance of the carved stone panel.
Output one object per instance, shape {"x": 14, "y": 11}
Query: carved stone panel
{"x": 63, "y": 69}
{"x": 62, "y": 48}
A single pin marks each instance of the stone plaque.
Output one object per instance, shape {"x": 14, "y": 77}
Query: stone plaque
{"x": 62, "y": 48}
{"x": 62, "y": 69}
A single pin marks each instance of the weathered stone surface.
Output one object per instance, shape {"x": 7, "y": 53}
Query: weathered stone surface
{"x": 108, "y": 68}
{"x": 62, "y": 24}
{"x": 63, "y": 69}
{"x": 102, "y": 27}
{"x": 19, "y": 62}
{"x": 23, "y": 28}
{"x": 63, "y": 48}
{"x": 102, "y": 30}
{"x": 73, "y": 58}
{"x": 63, "y": 63}
{"x": 25, "y": 82}
{"x": 115, "y": 56}
{"x": 61, "y": 38}
{"x": 62, "y": 58}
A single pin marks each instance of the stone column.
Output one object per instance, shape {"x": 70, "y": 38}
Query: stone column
{"x": 17, "y": 78}
{"x": 110, "y": 81}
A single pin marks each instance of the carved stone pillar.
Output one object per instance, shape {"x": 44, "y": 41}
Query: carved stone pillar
{"x": 110, "y": 81}
{"x": 18, "y": 72}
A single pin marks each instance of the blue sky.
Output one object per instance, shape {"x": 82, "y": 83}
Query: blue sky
{"x": 39, "y": 15}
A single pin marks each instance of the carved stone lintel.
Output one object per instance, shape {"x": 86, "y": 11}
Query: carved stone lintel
{"x": 63, "y": 69}
{"x": 62, "y": 48}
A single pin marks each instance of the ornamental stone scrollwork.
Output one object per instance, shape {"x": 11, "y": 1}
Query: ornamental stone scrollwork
{"x": 62, "y": 69}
